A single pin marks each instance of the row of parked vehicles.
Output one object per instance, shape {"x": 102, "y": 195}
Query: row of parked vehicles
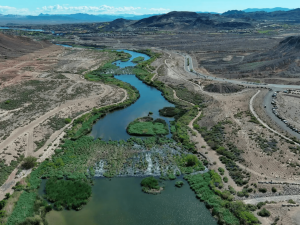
{"x": 274, "y": 110}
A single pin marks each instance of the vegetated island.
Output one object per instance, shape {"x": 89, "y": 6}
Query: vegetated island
{"x": 150, "y": 185}
{"x": 138, "y": 59}
{"x": 147, "y": 126}
{"x": 125, "y": 60}
{"x": 169, "y": 111}
{"x": 179, "y": 184}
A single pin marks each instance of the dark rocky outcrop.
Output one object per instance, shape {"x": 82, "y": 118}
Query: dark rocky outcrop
{"x": 189, "y": 21}
{"x": 222, "y": 88}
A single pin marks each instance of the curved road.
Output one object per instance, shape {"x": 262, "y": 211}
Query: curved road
{"x": 267, "y": 99}
{"x": 268, "y": 109}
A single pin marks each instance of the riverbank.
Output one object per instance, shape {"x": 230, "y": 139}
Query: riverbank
{"x": 75, "y": 159}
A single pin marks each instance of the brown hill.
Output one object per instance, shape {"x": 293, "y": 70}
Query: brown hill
{"x": 283, "y": 60}
{"x": 15, "y": 46}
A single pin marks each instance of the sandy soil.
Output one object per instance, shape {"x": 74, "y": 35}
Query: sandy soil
{"x": 76, "y": 96}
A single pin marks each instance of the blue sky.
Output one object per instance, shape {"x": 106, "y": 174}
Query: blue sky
{"x": 34, "y": 7}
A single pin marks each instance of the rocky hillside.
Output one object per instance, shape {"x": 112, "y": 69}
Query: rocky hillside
{"x": 183, "y": 21}
{"x": 222, "y": 88}
{"x": 14, "y": 46}
{"x": 290, "y": 16}
{"x": 283, "y": 60}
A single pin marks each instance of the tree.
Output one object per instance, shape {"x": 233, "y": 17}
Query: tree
{"x": 7, "y": 195}
{"x": 29, "y": 162}
{"x": 191, "y": 160}
{"x": 264, "y": 213}
{"x": 68, "y": 120}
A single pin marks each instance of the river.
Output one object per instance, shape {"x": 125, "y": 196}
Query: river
{"x": 120, "y": 201}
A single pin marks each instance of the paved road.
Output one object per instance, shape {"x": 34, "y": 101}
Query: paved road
{"x": 267, "y": 99}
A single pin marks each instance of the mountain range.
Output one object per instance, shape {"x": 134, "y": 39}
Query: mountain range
{"x": 251, "y": 13}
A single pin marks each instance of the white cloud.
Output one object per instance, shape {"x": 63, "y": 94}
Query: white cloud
{"x": 88, "y": 9}
{"x": 12, "y": 10}
{"x": 160, "y": 10}
{"x": 67, "y": 9}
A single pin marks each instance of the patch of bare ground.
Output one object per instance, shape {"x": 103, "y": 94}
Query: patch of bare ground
{"x": 28, "y": 66}
{"x": 33, "y": 112}
{"x": 266, "y": 155}
{"x": 283, "y": 215}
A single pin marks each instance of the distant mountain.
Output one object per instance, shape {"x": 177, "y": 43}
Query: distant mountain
{"x": 180, "y": 21}
{"x": 208, "y": 12}
{"x": 291, "y": 15}
{"x": 66, "y": 18}
{"x": 266, "y": 9}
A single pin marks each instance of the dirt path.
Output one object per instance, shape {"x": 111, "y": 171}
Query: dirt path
{"x": 175, "y": 96}
{"x": 46, "y": 150}
{"x": 210, "y": 154}
{"x": 273, "y": 198}
{"x": 29, "y": 128}
{"x": 207, "y": 152}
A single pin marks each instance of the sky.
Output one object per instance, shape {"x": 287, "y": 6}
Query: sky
{"x": 35, "y": 7}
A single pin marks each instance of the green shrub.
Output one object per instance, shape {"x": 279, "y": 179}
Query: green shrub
{"x": 68, "y": 193}
{"x": 68, "y": 120}
{"x": 179, "y": 184}
{"x": 169, "y": 111}
{"x": 171, "y": 176}
{"x": 260, "y": 204}
{"x": 138, "y": 59}
{"x": 23, "y": 209}
{"x": 225, "y": 179}
{"x": 291, "y": 201}
{"x": 191, "y": 160}
{"x": 150, "y": 182}
{"x": 263, "y": 190}
{"x": 221, "y": 170}
{"x": 147, "y": 127}
{"x": 264, "y": 213}
{"x": 29, "y": 162}
{"x": 274, "y": 189}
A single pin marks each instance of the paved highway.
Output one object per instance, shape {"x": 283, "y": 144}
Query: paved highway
{"x": 267, "y": 99}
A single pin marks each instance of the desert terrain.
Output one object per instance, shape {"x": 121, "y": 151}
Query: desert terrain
{"x": 226, "y": 78}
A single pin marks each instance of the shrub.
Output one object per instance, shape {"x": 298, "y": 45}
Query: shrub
{"x": 29, "y": 162}
{"x": 150, "y": 183}
{"x": 68, "y": 193}
{"x": 48, "y": 208}
{"x": 191, "y": 160}
{"x": 291, "y": 201}
{"x": 260, "y": 204}
{"x": 225, "y": 179}
{"x": 221, "y": 170}
{"x": 171, "y": 176}
{"x": 23, "y": 209}
{"x": 179, "y": 184}
{"x": 274, "y": 189}
{"x": 264, "y": 213}
{"x": 263, "y": 190}
{"x": 7, "y": 195}
{"x": 68, "y": 120}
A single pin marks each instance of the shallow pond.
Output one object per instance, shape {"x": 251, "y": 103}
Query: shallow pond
{"x": 122, "y": 202}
